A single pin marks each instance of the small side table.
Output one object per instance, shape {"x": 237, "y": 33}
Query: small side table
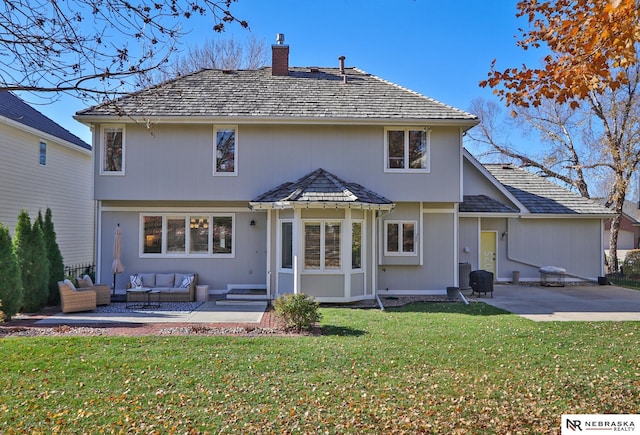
{"x": 144, "y": 291}
{"x": 202, "y": 293}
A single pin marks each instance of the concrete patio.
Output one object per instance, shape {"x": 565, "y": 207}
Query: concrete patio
{"x": 570, "y": 303}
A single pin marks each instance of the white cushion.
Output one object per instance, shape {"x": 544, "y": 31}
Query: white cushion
{"x": 148, "y": 279}
{"x": 164, "y": 279}
{"x": 70, "y": 284}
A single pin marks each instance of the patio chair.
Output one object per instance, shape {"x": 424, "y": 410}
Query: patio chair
{"x": 103, "y": 291}
{"x": 72, "y": 300}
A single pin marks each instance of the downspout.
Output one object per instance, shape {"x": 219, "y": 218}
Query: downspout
{"x": 376, "y": 225}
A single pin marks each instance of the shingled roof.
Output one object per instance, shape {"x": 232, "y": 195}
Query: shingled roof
{"x": 541, "y": 196}
{"x": 15, "y": 109}
{"x": 319, "y": 187}
{"x": 484, "y": 204}
{"x": 305, "y": 93}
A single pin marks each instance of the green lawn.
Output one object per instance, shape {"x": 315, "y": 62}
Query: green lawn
{"x": 441, "y": 368}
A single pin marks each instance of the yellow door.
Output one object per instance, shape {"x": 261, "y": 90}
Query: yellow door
{"x": 488, "y": 251}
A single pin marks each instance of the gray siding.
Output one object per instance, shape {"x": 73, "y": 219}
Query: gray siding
{"x": 175, "y": 162}
{"x": 63, "y": 185}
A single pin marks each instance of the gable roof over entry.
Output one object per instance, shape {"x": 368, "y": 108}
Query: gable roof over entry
{"x": 321, "y": 188}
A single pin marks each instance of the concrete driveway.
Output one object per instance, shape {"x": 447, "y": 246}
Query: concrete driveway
{"x": 570, "y": 303}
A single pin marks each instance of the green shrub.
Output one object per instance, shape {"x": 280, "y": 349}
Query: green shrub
{"x": 631, "y": 264}
{"x": 32, "y": 260}
{"x": 10, "y": 280}
{"x": 297, "y": 311}
{"x": 56, "y": 263}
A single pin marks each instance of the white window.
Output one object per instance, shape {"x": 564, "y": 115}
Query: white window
{"x": 356, "y": 245}
{"x": 225, "y": 151}
{"x": 406, "y": 149}
{"x": 286, "y": 244}
{"x": 112, "y": 149}
{"x": 322, "y": 245}
{"x": 175, "y": 235}
{"x": 400, "y": 238}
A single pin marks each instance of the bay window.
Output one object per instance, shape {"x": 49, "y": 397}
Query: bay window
{"x": 322, "y": 241}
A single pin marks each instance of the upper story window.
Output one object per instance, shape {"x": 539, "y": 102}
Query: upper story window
{"x": 112, "y": 149}
{"x": 43, "y": 153}
{"x": 406, "y": 149}
{"x": 400, "y": 238}
{"x": 226, "y": 150}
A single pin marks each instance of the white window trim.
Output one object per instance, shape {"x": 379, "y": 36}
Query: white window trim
{"x": 279, "y": 245}
{"x": 427, "y": 154}
{"x": 323, "y": 223}
{"x": 215, "y": 151}
{"x": 186, "y": 254}
{"x": 363, "y": 260}
{"x": 401, "y": 252}
{"x": 102, "y": 149}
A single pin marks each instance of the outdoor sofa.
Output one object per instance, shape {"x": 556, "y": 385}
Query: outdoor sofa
{"x": 173, "y": 287}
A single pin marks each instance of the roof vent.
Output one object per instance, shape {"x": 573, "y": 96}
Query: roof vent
{"x": 314, "y": 69}
{"x": 506, "y": 166}
{"x": 341, "y": 60}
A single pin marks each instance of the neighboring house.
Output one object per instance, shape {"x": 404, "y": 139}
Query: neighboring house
{"x": 327, "y": 181}
{"x": 42, "y": 166}
{"x": 629, "y": 231}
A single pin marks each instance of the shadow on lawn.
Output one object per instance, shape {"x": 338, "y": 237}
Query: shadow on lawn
{"x": 342, "y": 331}
{"x": 473, "y": 309}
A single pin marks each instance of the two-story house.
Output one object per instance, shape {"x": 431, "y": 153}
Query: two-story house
{"x": 42, "y": 165}
{"x": 328, "y": 181}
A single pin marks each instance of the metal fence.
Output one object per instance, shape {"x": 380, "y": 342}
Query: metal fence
{"x": 80, "y": 270}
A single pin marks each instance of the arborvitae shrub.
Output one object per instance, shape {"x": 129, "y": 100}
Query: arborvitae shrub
{"x": 32, "y": 260}
{"x": 297, "y": 311}
{"x": 10, "y": 280}
{"x": 56, "y": 262}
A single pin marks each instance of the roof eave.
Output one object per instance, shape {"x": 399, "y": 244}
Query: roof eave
{"x": 281, "y": 205}
{"x": 188, "y": 119}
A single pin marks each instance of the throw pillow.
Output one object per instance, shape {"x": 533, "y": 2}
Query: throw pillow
{"x": 88, "y": 279}
{"x": 148, "y": 279}
{"x": 70, "y": 284}
{"x": 135, "y": 280}
{"x": 186, "y": 281}
{"x": 83, "y": 283}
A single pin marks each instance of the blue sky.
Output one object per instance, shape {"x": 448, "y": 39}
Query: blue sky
{"x": 439, "y": 48}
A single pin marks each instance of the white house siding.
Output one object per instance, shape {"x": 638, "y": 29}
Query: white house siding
{"x": 63, "y": 185}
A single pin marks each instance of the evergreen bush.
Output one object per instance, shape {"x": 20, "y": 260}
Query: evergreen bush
{"x": 56, "y": 262}
{"x": 631, "y": 264}
{"x": 297, "y": 311}
{"x": 33, "y": 263}
{"x": 10, "y": 280}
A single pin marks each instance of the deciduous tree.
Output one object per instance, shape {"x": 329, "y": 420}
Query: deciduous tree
{"x": 94, "y": 47}
{"x": 592, "y": 65}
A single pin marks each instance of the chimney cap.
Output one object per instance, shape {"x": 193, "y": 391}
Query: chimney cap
{"x": 280, "y": 38}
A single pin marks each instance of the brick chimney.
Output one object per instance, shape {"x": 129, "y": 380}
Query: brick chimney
{"x": 280, "y": 57}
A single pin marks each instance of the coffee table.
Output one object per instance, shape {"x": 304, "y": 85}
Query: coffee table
{"x": 145, "y": 291}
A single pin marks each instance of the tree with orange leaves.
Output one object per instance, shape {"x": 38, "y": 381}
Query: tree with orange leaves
{"x": 592, "y": 64}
